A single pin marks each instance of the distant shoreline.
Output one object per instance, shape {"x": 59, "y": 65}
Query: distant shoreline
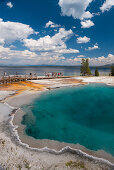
{"x": 40, "y": 70}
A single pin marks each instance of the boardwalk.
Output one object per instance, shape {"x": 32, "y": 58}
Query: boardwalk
{"x": 14, "y": 78}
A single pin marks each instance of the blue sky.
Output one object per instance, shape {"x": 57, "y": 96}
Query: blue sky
{"x": 56, "y": 32}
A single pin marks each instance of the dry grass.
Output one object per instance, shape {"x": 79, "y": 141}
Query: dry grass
{"x": 76, "y": 165}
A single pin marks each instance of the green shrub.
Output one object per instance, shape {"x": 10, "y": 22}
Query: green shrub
{"x": 72, "y": 164}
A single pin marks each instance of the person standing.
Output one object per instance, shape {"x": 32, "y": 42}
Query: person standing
{"x": 4, "y": 73}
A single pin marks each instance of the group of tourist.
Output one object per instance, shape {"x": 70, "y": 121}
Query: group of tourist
{"x": 53, "y": 74}
{"x": 46, "y": 74}
{"x": 33, "y": 74}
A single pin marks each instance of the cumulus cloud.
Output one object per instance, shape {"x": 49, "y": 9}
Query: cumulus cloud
{"x": 15, "y": 53}
{"x": 83, "y": 39}
{"x": 11, "y": 31}
{"x": 92, "y": 48}
{"x": 102, "y": 60}
{"x": 87, "y": 24}
{"x": 75, "y": 8}
{"x": 87, "y": 15}
{"x": 51, "y": 24}
{"x": 12, "y": 46}
{"x": 81, "y": 56}
{"x": 45, "y": 50}
{"x": 107, "y": 5}
{"x": 74, "y": 27}
{"x": 9, "y": 4}
{"x": 67, "y": 51}
{"x": 54, "y": 44}
{"x": 93, "y": 61}
{"x": 2, "y": 42}
{"x": 8, "y": 56}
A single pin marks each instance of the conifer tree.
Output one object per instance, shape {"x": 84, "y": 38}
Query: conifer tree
{"x": 96, "y": 72}
{"x": 112, "y": 70}
{"x": 88, "y": 71}
{"x": 85, "y": 69}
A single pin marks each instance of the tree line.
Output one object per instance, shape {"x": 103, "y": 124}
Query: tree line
{"x": 86, "y": 71}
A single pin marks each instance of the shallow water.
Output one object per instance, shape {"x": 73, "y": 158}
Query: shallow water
{"x": 83, "y": 115}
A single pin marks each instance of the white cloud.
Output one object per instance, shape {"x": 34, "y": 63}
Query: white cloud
{"x": 51, "y": 24}
{"x": 12, "y": 46}
{"x": 8, "y": 56}
{"x": 75, "y": 8}
{"x": 54, "y": 44}
{"x": 15, "y": 57}
{"x": 93, "y": 61}
{"x": 48, "y": 43}
{"x": 87, "y": 24}
{"x": 67, "y": 51}
{"x": 45, "y": 50}
{"x": 83, "y": 39}
{"x": 92, "y": 48}
{"x": 9, "y": 4}
{"x": 81, "y": 56}
{"x": 14, "y": 53}
{"x": 11, "y": 31}
{"x": 107, "y": 5}
{"x": 87, "y": 15}
{"x": 102, "y": 60}
{"x": 2, "y": 41}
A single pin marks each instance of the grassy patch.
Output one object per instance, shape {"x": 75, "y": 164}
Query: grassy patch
{"x": 27, "y": 164}
{"x": 79, "y": 165}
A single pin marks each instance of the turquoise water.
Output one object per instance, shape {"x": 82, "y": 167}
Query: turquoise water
{"x": 83, "y": 115}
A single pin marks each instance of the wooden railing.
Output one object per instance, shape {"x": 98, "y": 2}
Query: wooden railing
{"x": 15, "y": 78}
